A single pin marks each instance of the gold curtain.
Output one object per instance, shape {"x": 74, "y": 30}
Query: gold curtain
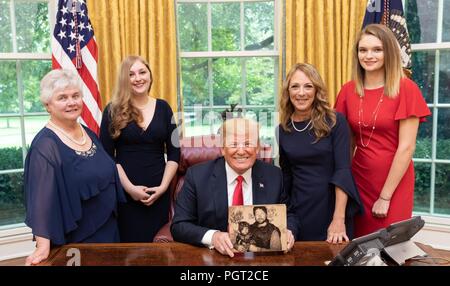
{"x": 136, "y": 27}
{"x": 322, "y": 33}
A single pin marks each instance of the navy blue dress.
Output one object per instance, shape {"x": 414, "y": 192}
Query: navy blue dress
{"x": 71, "y": 196}
{"x": 141, "y": 155}
{"x": 310, "y": 173}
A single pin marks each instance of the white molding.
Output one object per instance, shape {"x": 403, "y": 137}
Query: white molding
{"x": 11, "y": 171}
{"x": 430, "y": 46}
{"x": 13, "y": 231}
{"x": 15, "y": 242}
{"x": 437, "y": 223}
{"x": 25, "y": 56}
{"x": 439, "y": 161}
{"x": 436, "y": 232}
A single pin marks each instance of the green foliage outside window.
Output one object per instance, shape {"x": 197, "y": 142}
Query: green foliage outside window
{"x": 228, "y": 84}
{"x": 31, "y": 35}
{"x": 11, "y": 187}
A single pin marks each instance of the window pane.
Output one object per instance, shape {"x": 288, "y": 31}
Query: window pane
{"x": 12, "y": 209}
{"x": 260, "y": 85}
{"x": 226, "y": 23}
{"x": 33, "y": 124}
{"x": 442, "y": 190}
{"x": 422, "y": 187}
{"x": 423, "y": 64}
{"x": 444, "y": 76}
{"x": 259, "y": 25}
{"x": 5, "y": 27}
{"x": 443, "y": 134}
{"x": 32, "y": 73}
{"x": 446, "y": 23}
{"x": 192, "y": 27}
{"x": 33, "y": 35}
{"x": 194, "y": 79}
{"x": 267, "y": 119}
{"x": 202, "y": 121}
{"x": 227, "y": 81}
{"x": 421, "y": 16}
{"x": 10, "y": 144}
{"x": 424, "y": 137}
{"x": 9, "y": 102}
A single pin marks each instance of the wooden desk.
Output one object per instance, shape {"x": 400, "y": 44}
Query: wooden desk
{"x": 178, "y": 254}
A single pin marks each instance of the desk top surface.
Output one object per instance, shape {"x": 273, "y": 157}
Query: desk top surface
{"x": 179, "y": 254}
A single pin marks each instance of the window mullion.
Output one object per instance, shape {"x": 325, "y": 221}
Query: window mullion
{"x": 209, "y": 18}
{"x": 13, "y": 25}
{"x": 21, "y": 107}
{"x": 435, "y": 108}
{"x": 434, "y": 132}
{"x": 244, "y": 84}
{"x": 242, "y": 23}
{"x": 210, "y": 89}
{"x": 52, "y": 7}
{"x": 243, "y": 60}
{"x": 210, "y": 71}
{"x": 440, "y": 21}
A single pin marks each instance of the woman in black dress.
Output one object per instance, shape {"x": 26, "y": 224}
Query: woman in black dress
{"x": 71, "y": 184}
{"x": 315, "y": 160}
{"x": 136, "y": 130}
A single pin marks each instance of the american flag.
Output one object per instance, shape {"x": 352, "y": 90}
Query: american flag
{"x": 390, "y": 13}
{"x": 74, "y": 47}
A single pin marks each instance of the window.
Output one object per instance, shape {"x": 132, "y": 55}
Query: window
{"x": 24, "y": 59}
{"x": 228, "y": 55}
{"x": 430, "y": 35}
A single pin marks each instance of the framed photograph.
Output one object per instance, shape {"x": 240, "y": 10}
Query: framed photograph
{"x": 258, "y": 228}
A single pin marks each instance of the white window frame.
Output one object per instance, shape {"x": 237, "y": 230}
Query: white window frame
{"x": 437, "y": 47}
{"x": 275, "y": 54}
{"x": 15, "y": 55}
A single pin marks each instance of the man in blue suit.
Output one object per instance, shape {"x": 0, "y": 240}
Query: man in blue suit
{"x": 201, "y": 210}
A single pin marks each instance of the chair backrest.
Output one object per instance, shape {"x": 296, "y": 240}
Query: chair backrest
{"x": 199, "y": 149}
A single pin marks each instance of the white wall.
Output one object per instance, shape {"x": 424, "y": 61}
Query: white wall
{"x": 15, "y": 242}
{"x": 436, "y": 232}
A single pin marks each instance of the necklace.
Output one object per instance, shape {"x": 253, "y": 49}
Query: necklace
{"x": 373, "y": 119}
{"x": 300, "y": 130}
{"x": 80, "y": 143}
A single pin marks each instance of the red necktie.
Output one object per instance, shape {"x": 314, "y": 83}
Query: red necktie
{"x": 238, "y": 197}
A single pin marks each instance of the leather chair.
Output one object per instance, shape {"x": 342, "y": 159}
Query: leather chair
{"x": 195, "y": 150}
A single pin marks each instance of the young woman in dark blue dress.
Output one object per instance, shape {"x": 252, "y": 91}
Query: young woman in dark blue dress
{"x": 72, "y": 186}
{"x": 137, "y": 130}
{"x": 314, "y": 145}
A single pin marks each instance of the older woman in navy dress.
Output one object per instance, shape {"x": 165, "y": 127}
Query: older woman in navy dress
{"x": 72, "y": 186}
{"x": 315, "y": 160}
{"x": 136, "y": 130}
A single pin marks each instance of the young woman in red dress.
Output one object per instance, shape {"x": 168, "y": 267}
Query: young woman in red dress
{"x": 383, "y": 108}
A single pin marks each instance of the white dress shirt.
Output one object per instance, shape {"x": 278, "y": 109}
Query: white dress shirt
{"x": 247, "y": 193}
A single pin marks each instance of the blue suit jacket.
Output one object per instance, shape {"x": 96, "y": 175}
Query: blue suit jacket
{"x": 203, "y": 201}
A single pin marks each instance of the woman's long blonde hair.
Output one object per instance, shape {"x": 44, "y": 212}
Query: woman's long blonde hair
{"x": 323, "y": 116}
{"x": 393, "y": 71}
{"x": 121, "y": 110}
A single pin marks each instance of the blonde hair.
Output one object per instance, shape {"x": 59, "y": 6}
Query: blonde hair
{"x": 393, "y": 71}
{"x": 121, "y": 110}
{"x": 56, "y": 80}
{"x": 323, "y": 116}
